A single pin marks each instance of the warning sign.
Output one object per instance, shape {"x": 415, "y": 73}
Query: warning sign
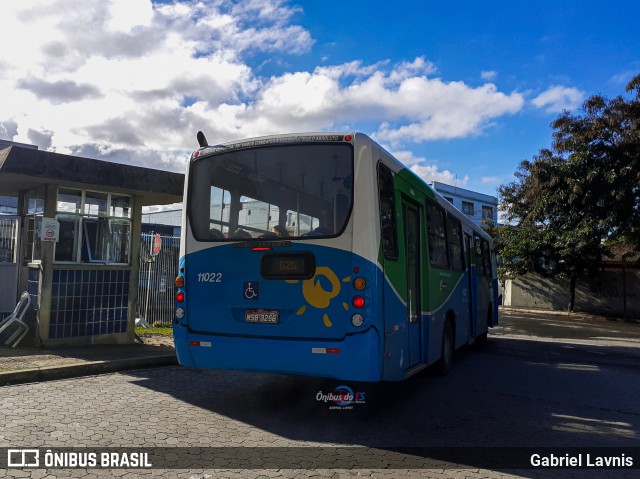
{"x": 50, "y": 230}
{"x": 157, "y": 245}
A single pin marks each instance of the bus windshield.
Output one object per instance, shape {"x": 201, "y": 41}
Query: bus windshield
{"x": 294, "y": 191}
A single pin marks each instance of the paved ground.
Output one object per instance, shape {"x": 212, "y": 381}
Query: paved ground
{"x": 541, "y": 382}
{"x": 22, "y": 365}
{"x": 610, "y": 340}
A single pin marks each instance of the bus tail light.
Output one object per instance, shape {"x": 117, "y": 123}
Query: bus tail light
{"x": 180, "y": 281}
{"x": 359, "y": 283}
{"x": 358, "y": 302}
{"x": 180, "y": 297}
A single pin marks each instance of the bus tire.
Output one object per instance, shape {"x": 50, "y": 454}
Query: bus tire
{"x": 480, "y": 341}
{"x": 445, "y": 363}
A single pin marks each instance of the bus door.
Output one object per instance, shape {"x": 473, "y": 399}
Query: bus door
{"x": 472, "y": 274}
{"x": 411, "y": 219}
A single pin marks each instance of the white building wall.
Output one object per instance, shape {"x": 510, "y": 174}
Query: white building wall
{"x": 475, "y": 205}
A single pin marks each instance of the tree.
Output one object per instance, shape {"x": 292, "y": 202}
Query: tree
{"x": 570, "y": 204}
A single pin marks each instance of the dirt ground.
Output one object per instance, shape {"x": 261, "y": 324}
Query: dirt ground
{"x": 156, "y": 339}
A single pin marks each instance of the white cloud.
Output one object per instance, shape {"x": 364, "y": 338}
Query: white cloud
{"x": 429, "y": 171}
{"x": 133, "y": 81}
{"x": 408, "y": 158}
{"x": 432, "y": 173}
{"x": 123, "y": 75}
{"x": 440, "y": 110}
{"x": 489, "y": 75}
{"x": 623, "y": 78}
{"x": 558, "y": 98}
{"x": 491, "y": 180}
{"x": 128, "y": 14}
{"x": 413, "y": 107}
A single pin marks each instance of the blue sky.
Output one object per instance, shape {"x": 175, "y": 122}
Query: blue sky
{"x": 459, "y": 91}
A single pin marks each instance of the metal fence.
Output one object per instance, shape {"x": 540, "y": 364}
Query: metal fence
{"x": 8, "y": 239}
{"x": 159, "y": 257}
{"x": 8, "y": 263}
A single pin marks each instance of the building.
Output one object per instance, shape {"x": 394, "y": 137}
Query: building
{"x": 70, "y": 236}
{"x": 7, "y": 143}
{"x": 477, "y": 206}
{"x": 166, "y": 222}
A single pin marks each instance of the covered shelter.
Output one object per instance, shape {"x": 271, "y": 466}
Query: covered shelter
{"x": 73, "y": 241}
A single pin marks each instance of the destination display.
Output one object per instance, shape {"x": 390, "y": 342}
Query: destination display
{"x": 288, "y": 266}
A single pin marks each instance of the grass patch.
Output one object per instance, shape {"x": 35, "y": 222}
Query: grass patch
{"x": 155, "y": 330}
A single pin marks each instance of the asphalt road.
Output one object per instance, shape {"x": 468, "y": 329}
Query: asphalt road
{"x": 541, "y": 382}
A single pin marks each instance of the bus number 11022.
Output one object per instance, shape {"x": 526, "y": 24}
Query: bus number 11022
{"x": 209, "y": 277}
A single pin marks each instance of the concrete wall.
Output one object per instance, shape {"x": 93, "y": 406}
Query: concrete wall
{"x": 536, "y": 292}
{"x": 601, "y": 293}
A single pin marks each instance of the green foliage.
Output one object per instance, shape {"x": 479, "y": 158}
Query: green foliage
{"x": 571, "y": 203}
{"x": 155, "y": 330}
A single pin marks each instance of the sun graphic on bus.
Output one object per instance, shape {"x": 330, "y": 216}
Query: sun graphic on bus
{"x": 317, "y": 296}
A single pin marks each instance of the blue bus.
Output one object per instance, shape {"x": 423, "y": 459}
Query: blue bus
{"x": 320, "y": 254}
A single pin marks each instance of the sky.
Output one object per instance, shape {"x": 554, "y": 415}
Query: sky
{"x": 461, "y": 92}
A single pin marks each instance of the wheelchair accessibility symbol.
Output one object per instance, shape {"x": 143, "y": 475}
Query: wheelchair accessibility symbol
{"x": 251, "y": 290}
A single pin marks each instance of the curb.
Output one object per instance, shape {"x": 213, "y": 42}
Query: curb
{"x": 85, "y": 369}
{"x": 567, "y": 314}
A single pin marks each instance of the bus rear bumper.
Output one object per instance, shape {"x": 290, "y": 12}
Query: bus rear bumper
{"x": 355, "y": 358}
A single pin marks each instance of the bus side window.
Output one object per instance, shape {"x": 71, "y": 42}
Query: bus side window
{"x": 386, "y": 195}
{"x": 437, "y": 236}
{"x": 486, "y": 254}
{"x": 478, "y": 254}
{"x": 454, "y": 233}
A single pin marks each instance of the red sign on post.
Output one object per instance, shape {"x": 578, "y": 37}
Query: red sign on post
{"x": 157, "y": 245}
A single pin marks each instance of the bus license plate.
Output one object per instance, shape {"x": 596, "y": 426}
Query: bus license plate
{"x": 261, "y": 316}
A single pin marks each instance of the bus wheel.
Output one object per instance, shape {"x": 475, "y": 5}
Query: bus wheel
{"x": 481, "y": 341}
{"x": 445, "y": 363}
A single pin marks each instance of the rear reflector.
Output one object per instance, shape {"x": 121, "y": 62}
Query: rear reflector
{"x": 325, "y": 350}
{"x": 202, "y": 344}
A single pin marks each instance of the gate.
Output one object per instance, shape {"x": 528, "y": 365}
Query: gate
{"x": 9, "y": 227}
{"x": 159, "y": 257}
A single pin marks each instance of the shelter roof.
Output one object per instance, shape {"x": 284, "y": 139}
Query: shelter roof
{"x": 27, "y": 168}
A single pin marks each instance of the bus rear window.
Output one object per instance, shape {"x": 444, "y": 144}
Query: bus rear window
{"x": 297, "y": 191}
